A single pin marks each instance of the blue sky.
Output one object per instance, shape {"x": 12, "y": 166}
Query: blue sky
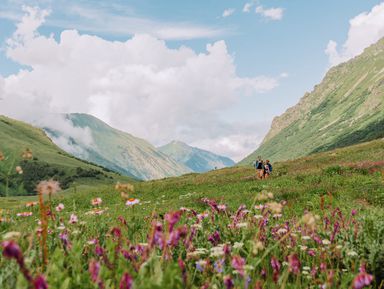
{"x": 288, "y": 47}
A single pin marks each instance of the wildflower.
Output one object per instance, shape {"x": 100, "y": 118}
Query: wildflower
{"x": 202, "y": 216}
{"x": 326, "y": 242}
{"x": 276, "y": 208}
{"x": 362, "y": 280}
{"x": 61, "y": 227}
{"x": 27, "y": 154}
{"x": 65, "y": 239}
{"x": 59, "y": 207}
{"x": 2, "y": 157}
{"x": 222, "y": 207}
{"x": 303, "y": 248}
{"x": 260, "y": 207}
{"x": 132, "y": 201}
{"x": 40, "y": 283}
{"x": 126, "y": 281}
{"x": 217, "y": 251}
{"x": 306, "y": 238}
{"x": 238, "y": 245}
{"x": 309, "y": 220}
{"x": 48, "y": 187}
{"x": 258, "y": 217}
{"x": 352, "y": 253}
{"x": 73, "y": 219}
{"x": 96, "y": 202}
{"x": 257, "y": 246}
{"x": 172, "y": 218}
{"x": 94, "y": 268}
{"x": 241, "y": 225}
{"x": 31, "y": 204}
{"x": 214, "y": 238}
{"x": 200, "y": 265}
{"x": 92, "y": 242}
{"x": 197, "y": 226}
{"x": 238, "y": 264}
{"x": 277, "y": 216}
{"x": 197, "y": 252}
{"x": 228, "y": 282}
{"x": 96, "y": 211}
{"x": 12, "y": 250}
{"x": 219, "y": 265}
{"x": 282, "y": 231}
{"x": 275, "y": 264}
{"x": 19, "y": 170}
{"x": 294, "y": 264}
{"x": 24, "y": 214}
{"x": 353, "y": 212}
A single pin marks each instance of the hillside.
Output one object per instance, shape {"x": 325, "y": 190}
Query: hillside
{"x": 47, "y": 160}
{"x": 347, "y": 107}
{"x": 118, "y": 150}
{"x": 196, "y": 159}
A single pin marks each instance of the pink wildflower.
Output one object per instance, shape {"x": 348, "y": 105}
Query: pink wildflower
{"x": 238, "y": 264}
{"x": 73, "y": 219}
{"x": 294, "y": 264}
{"x": 59, "y": 207}
{"x": 94, "y": 268}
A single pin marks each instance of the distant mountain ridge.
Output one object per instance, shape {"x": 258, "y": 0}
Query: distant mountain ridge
{"x": 196, "y": 159}
{"x": 346, "y": 108}
{"x": 118, "y": 150}
{"x": 46, "y": 161}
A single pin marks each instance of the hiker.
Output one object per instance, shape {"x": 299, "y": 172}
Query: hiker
{"x": 259, "y": 166}
{"x": 267, "y": 169}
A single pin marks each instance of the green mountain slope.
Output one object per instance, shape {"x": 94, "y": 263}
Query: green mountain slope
{"x": 347, "y": 107}
{"x": 48, "y": 161}
{"x": 117, "y": 150}
{"x": 196, "y": 159}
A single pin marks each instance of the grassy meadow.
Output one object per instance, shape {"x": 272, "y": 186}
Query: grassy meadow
{"x": 317, "y": 222}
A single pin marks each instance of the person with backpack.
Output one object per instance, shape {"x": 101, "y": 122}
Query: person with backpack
{"x": 259, "y": 166}
{"x": 267, "y": 169}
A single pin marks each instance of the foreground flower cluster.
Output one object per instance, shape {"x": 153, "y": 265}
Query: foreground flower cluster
{"x": 250, "y": 247}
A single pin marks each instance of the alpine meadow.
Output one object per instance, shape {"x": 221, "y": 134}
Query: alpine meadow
{"x": 164, "y": 144}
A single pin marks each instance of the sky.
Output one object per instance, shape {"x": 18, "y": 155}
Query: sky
{"x": 211, "y": 73}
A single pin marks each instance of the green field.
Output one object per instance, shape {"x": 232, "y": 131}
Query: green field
{"x": 331, "y": 185}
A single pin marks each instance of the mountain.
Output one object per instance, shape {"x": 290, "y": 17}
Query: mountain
{"x": 346, "y": 108}
{"x": 115, "y": 149}
{"x": 196, "y": 159}
{"x": 42, "y": 160}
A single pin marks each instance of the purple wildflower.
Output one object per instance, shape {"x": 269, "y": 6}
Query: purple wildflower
{"x": 40, "y": 283}
{"x": 126, "y": 281}
{"x": 228, "y": 282}
{"x": 214, "y": 238}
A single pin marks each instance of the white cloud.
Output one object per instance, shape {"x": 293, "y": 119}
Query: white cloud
{"x": 364, "y": 29}
{"x": 270, "y": 13}
{"x": 247, "y": 7}
{"x": 228, "y": 12}
{"x": 237, "y": 140}
{"x": 140, "y": 85}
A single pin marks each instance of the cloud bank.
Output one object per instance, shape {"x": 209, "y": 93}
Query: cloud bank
{"x": 140, "y": 86}
{"x": 364, "y": 29}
